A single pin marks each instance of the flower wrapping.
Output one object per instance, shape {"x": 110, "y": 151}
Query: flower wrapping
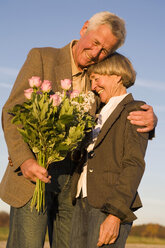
{"x": 52, "y": 125}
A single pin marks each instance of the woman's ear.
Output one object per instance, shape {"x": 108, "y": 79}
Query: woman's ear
{"x": 118, "y": 79}
{"x": 84, "y": 28}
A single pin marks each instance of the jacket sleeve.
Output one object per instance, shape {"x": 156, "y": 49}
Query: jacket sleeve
{"x": 18, "y": 150}
{"x": 133, "y": 165}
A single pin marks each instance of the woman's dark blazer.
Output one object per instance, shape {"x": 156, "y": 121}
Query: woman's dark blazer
{"x": 117, "y": 164}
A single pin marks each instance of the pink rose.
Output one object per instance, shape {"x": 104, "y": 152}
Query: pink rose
{"x": 75, "y": 93}
{"x": 66, "y": 84}
{"x": 46, "y": 86}
{"x": 35, "y": 82}
{"x": 56, "y": 99}
{"x": 28, "y": 93}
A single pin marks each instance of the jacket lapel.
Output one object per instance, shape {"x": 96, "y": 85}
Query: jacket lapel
{"x": 112, "y": 118}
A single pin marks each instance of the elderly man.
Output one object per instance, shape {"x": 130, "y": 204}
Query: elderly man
{"x": 100, "y": 36}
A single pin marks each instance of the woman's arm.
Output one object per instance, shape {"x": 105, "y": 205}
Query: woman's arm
{"x": 133, "y": 165}
{"x": 109, "y": 230}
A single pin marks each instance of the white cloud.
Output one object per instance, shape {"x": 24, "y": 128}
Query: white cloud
{"x": 6, "y": 85}
{"x": 8, "y": 71}
{"x": 150, "y": 84}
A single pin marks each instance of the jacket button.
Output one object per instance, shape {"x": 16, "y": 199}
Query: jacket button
{"x": 90, "y": 170}
{"x": 10, "y": 162}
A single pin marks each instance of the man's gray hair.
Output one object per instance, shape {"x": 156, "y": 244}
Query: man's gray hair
{"x": 116, "y": 24}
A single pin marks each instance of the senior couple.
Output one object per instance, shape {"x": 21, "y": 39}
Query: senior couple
{"x": 90, "y": 202}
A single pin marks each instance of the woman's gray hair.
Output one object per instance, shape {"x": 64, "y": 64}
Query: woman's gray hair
{"x": 115, "y": 23}
{"x": 115, "y": 64}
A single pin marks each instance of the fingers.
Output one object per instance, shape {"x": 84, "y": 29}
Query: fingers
{"x": 147, "y": 107}
{"x": 108, "y": 238}
{"x": 137, "y": 121}
{"x": 136, "y": 114}
{"x": 42, "y": 175}
{"x": 143, "y": 130}
{"x": 146, "y": 119}
{"x": 109, "y": 230}
{"x": 32, "y": 170}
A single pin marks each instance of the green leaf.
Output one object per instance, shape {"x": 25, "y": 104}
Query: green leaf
{"x": 34, "y": 125}
{"x": 35, "y": 150}
{"x": 66, "y": 108}
{"x": 44, "y": 110}
{"x": 35, "y": 111}
{"x": 55, "y": 158}
{"x": 16, "y": 120}
{"x": 27, "y": 105}
{"x": 24, "y": 134}
{"x": 66, "y": 118}
{"x": 41, "y": 101}
{"x": 76, "y": 133}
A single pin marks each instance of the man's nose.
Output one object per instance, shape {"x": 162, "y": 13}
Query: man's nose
{"x": 96, "y": 52}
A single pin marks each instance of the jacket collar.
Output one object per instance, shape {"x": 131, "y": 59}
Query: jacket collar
{"x": 112, "y": 118}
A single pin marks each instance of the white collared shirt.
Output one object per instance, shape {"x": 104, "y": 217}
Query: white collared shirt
{"x": 102, "y": 117}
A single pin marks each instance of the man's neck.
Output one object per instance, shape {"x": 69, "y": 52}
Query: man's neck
{"x": 74, "y": 55}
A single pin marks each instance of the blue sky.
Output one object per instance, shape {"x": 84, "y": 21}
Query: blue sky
{"x": 38, "y": 23}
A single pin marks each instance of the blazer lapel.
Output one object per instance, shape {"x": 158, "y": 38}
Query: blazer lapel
{"x": 112, "y": 118}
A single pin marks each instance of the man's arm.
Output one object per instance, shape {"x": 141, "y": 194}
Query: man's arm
{"x": 31, "y": 170}
{"x": 146, "y": 118}
{"x": 18, "y": 150}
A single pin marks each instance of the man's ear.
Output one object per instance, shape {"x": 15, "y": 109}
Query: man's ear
{"x": 84, "y": 28}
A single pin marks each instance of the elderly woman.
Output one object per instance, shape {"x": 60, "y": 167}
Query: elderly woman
{"x": 106, "y": 192}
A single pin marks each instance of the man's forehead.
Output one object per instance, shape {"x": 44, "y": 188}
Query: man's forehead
{"x": 104, "y": 36}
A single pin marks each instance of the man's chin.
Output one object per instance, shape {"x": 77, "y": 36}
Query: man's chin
{"x": 86, "y": 64}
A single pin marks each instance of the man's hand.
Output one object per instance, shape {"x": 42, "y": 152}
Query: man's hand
{"x": 32, "y": 170}
{"x": 143, "y": 118}
{"x": 109, "y": 230}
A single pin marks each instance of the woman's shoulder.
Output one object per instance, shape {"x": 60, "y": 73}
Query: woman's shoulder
{"x": 134, "y": 105}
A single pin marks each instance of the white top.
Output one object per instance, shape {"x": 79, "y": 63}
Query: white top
{"x": 102, "y": 117}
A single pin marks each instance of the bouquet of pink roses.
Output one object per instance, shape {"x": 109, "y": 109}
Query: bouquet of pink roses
{"x": 52, "y": 124}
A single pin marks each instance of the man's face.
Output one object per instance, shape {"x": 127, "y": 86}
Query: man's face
{"x": 93, "y": 45}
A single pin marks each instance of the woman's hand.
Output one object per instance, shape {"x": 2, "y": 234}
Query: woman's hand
{"x": 109, "y": 230}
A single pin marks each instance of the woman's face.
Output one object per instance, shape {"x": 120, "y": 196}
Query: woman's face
{"x": 106, "y": 86}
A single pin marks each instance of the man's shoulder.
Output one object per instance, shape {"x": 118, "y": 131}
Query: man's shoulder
{"x": 49, "y": 50}
{"x": 49, "y": 53}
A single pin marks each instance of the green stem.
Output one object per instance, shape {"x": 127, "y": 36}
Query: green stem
{"x": 38, "y": 199}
